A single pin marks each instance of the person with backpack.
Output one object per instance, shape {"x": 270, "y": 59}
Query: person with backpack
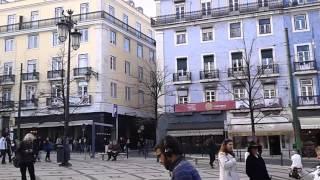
{"x": 26, "y": 155}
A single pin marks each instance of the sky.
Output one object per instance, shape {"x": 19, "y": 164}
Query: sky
{"x": 149, "y": 7}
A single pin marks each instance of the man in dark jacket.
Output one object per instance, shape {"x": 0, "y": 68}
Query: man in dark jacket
{"x": 169, "y": 152}
{"x": 255, "y": 166}
{"x": 212, "y": 150}
{"x": 26, "y": 154}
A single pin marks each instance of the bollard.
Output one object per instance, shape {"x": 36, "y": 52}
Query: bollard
{"x": 281, "y": 158}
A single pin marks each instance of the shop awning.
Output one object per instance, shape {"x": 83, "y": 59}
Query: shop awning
{"x": 310, "y": 122}
{"x": 203, "y": 132}
{"x": 60, "y": 124}
{"x": 264, "y": 127}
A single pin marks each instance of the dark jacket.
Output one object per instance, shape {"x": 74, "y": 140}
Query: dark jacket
{"x": 256, "y": 168}
{"x": 26, "y": 152}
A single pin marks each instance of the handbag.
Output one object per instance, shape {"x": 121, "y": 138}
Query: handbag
{"x": 16, "y": 161}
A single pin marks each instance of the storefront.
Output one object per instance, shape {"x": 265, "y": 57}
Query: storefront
{"x": 310, "y": 135}
{"x": 275, "y": 134}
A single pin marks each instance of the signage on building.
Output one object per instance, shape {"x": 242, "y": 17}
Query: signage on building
{"x": 205, "y": 106}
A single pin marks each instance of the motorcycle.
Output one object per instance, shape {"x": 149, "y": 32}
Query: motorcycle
{"x": 298, "y": 173}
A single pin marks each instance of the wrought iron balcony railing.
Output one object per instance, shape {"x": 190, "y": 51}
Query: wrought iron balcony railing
{"x": 305, "y": 66}
{"x": 309, "y": 100}
{"x": 268, "y": 69}
{"x": 54, "y": 74}
{"x": 30, "y": 76}
{"x": 181, "y": 76}
{"x": 29, "y": 103}
{"x": 7, "y": 79}
{"x": 98, "y": 15}
{"x": 81, "y": 71}
{"x": 6, "y": 104}
{"x": 237, "y": 72}
{"x": 73, "y": 101}
{"x": 212, "y": 74}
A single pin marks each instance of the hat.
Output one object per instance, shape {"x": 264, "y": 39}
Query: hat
{"x": 252, "y": 145}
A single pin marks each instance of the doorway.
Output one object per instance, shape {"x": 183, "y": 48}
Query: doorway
{"x": 274, "y": 142}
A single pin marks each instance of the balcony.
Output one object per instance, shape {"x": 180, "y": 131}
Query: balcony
{"x": 85, "y": 17}
{"x": 216, "y": 13}
{"x": 272, "y": 104}
{"x": 208, "y": 76}
{"x": 266, "y": 104}
{"x": 182, "y": 78}
{"x": 267, "y": 71}
{"x": 238, "y": 73}
{"x": 33, "y": 76}
{"x": 309, "y": 102}
{"x": 7, "y": 79}
{"x": 74, "y": 101}
{"x": 305, "y": 67}
{"x": 29, "y": 103}
{"x": 81, "y": 72}
{"x": 55, "y": 74}
{"x": 5, "y": 104}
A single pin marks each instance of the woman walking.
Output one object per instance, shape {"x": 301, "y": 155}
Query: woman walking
{"x": 47, "y": 147}
{"x": 255, "y": 166}
{"x": 27, "y": 157}
{"x": 227, "y": 161}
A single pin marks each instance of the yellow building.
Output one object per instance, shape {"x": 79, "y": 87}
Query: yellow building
{"x": 116, "y": 44}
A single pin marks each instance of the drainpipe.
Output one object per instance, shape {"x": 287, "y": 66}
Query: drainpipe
{"x": 295, "y": 119}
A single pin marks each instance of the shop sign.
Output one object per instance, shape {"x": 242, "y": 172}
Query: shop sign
{"x": 205, "y": 106}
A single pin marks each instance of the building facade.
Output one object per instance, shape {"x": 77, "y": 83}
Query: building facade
{"x": 221, "y": 54}
{"x": 116, "y": 44}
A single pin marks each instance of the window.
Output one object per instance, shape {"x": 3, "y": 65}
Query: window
{"x": 56, "y": 91}
{"x": 208, "y": 63}
{"x": 269, "y": 91}
{"x": 113, "y": 63}
{"x": 141, "y": 97}
{"x": 32, "y": 66}
{"x": 127, "y": 44}
{"x": 55, "y": 39}
{"x": 303, "y": 53}
{"x": 84, "y": 10}
{"x": 207, "y": 34}
{"x": 33, "y": 41}
{"x": 150, "y": 33}
{"x": 113, "y": 90}
{"x": 182, "y": 66}
{"x": 180, "y": 11}
{"x": 264, "y": 26}
{"x": 267, "y": 58}
{"x": 84, "y": 35}
{"x": 239, "y": 93}
{"x": 138, "y": 28}
{"x": 113, "y": 37}
{"x": 125, "y": 19}
{"x": 233, "y": 5}
{"x": 82, "y": 88}
{"x": 34, "y": 18}
{"x": 127, "y": 93}
{"x": 206, "y": 7}
{"x": 151, "y": 55}
{"x": 237, "y": 61}
{"x": 82, "y": 60}
{"x": 300, "y": 22}
{"x": 30, "y": 92}
{"x": 140, "y": 73}
{"x": 183, "y": 100}
{"x": 235, "y": 30}
{"x": 6, "y": 94}
{"x": 11, "y": 21}
{"x": 210, "y": 95}
{"x": 56, "y": 63}
{"x": 8, "y": 68}
{"x": 263, "y": 3}
{"x": 58, "y": 13}
{"x": 306, "y": 87}
{"x": 9, "y": 45}
{"x": 127, "y": 68}
{"x": 111, "y": 10}
{"x": 181, "y": 38}
{"x": 139, "y": 51}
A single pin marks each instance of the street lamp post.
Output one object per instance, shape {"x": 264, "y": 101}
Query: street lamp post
{"x": 66, "y": 30}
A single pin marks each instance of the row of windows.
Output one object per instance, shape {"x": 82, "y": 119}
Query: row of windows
{"x": 306, "y": 90}
{"x": 127, "y": 68}
{"x": 127, "y": 93}
{"x": 303, "y": 53}
{"x": 264, "y": 27}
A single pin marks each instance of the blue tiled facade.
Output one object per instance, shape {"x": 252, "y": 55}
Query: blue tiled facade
{"x": 261, "y": 22}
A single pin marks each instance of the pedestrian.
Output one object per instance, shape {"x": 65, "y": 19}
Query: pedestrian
{"x": 318, "y": 152}
{"x": 26, "y": 155}
{"x": 296, "y": 166}
{"x": 122, "y": 143}
{"x": 212, "y": 150}
{"x": 9, "y": 150}
{"x": 47, "y": 147}
{"x": 169, "y": 152}
{"x": 255, "y": 166}
{"x": 3, "y": 147}
{"x": 227, "y": 161}
{"x": 36, "y": 145}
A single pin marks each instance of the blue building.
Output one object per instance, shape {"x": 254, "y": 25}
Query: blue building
{"x": 214, "y": 49}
